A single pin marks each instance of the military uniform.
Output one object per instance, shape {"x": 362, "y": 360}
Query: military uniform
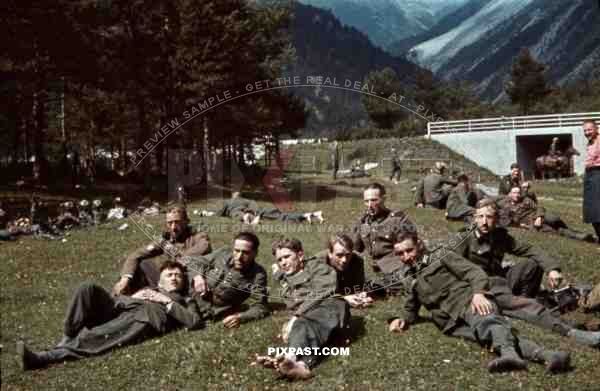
{"x": 487, "y": 252}
{"x": 352, "y": 279}
{"x": 396, "y": 168}
{"x": 461, "y": 203}
{"x": 229, "y": 288}
{"x": 507, "y": 182}
{"x": 444, "y": 283}
{"x": 375, "y": 234}
{"x": 524, "y": 214}
{"x": 142, "y": 265}
{"x": 318, "y": 311}
{"x": 431, "y": 191}
{"x": 237, "y": 207}
{"x": 96, "y": 322}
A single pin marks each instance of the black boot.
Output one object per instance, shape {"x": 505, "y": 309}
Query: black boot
{"x": 35, "y": 360}
{"x": 555, "y": 361}
{"x": 509, "y": 360}
{"x": 572, "y": 234}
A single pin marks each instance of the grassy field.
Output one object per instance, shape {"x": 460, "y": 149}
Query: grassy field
{"x": 37, "y": 278}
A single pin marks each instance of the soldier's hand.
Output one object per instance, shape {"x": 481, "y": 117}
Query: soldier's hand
{"x": 121, "y": 287}
{"x": 554, "y": 279}
{"x": 200, "y": 285}
{"x": 232, "y": 321}
{"x": 538, "y": 222}
{"x": 480, "y": 305}
{"x": 398, "y": 326}
{"x": 354, "y": 300}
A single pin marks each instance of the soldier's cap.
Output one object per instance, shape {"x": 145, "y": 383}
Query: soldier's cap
{"x": 84, "y": 203}
{"x": 68, "y": 204}
{"x": 555, "y": 139}
{"x": 117, "y": 200}
{"x": 515, "y": 165}
{"x": 97, "y": 203}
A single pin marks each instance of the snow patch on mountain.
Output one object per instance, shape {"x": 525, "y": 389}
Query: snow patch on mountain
{"x": 436, "y": 52}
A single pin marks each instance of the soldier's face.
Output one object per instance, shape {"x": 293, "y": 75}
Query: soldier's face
{"x": 171, "y": 280}
{"x": 373, "y": 201}
{"x": 515, "y": 172}
{"x": 339, "y": 258}
{"x": 289, "y": 262}
{"x": 590, "y": 131}
{"x": 407, "y": 250}
{"x": 243, "y": 254}
{"x": 485, "y": 218}
{"x": 515, "y": 194}
{"x": 176, "y": 227}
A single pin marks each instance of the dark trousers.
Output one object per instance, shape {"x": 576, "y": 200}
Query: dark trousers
{"x": 489, "y": 330}
{"x": 526, "y": 308}
{"x": 276, "y": 214}
{"x": 95, "y": 326}
{"x": 524, "y": 278}
{"x": 317, "y": 326}
{"x": 529, "y": 350}
{"x": 396, "y": 173}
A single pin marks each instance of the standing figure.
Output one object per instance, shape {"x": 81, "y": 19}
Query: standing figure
{"x": 396, "y": 167}
{"x": 591, "y": 181}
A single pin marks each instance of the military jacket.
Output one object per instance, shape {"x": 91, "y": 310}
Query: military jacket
{"x": 229, "y": 287}
{"x": 521, "y": 213}
{"x": 460, "y": 201}
{"x": 352, "y": 279}
{"x": 444, "y": 283}
{"x": 487, "y": 251}
{"x": 429, "y": 189}
{"x": 306, "y": 289}
{"x": 375, "y": 234}
{"x": 193, "y": 243}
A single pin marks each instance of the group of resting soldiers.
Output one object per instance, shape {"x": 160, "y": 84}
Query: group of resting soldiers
{"x": 70, "y": 215}
{"x": 463, "y": 284}
{"x": 517, "y": 204}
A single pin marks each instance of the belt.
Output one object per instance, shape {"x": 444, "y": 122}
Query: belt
{"x": 593, "y": 168}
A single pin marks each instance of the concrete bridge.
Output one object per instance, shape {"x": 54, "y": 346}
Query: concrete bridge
{"x": 495, "y": 143}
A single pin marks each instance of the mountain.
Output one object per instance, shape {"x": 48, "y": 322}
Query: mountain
{"x": 563, "y": 35}
{"x": 324, "y": 47}
{"x": 388, "y": 21}
{"x": 447, "y": 23}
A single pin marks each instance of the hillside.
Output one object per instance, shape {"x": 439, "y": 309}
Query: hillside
{"x": 325, "y": 47}
{"x": 418, "y": 154}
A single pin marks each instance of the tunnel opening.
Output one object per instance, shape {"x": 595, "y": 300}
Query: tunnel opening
{"x": 529, "y": 148}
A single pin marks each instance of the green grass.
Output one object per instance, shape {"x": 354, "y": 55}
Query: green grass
{"x": 38, "y": 277}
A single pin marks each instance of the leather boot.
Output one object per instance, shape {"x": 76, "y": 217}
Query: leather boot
{"x": 555, "y": 361}
{"x": 35, "y": 360}
{"x": 572, "y": 234}
{"x": 509, "y": 360}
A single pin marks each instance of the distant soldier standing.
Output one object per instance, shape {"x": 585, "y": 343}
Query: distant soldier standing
{"x": 396, "y": 167}
{"x": 335, "y": 159}
{"x": 591, "y": 181}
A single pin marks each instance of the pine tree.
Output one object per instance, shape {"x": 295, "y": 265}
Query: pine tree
{"x": 383, "y": 113}
{"x": 528, "y": 83}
